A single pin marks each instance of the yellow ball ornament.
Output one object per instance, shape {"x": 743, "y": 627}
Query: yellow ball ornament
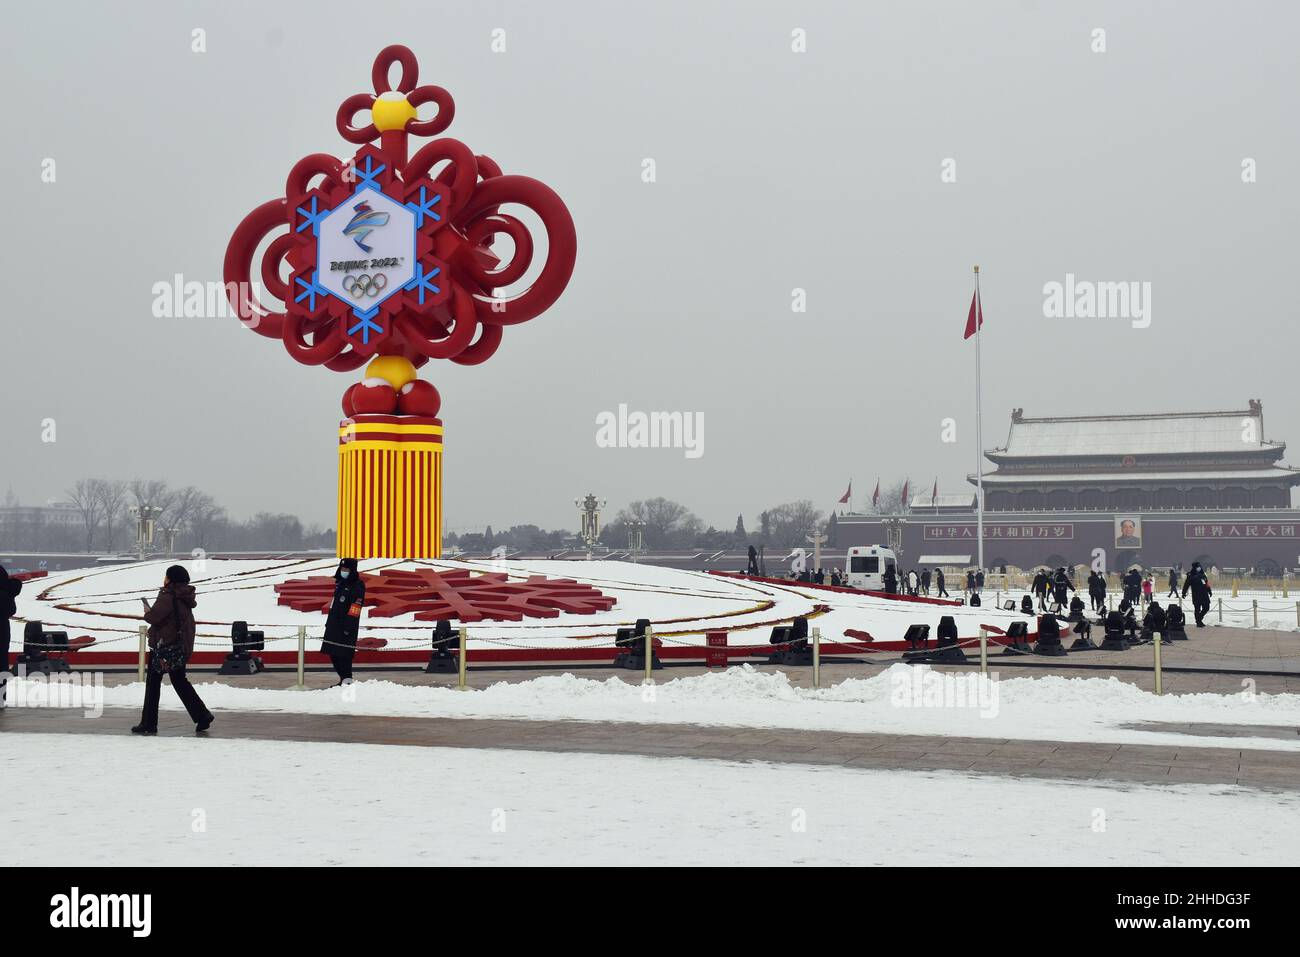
{"x": 394, "y": 370}
{"x": 390, "y": 111}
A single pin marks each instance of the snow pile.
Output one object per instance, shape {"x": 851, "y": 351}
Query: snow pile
{"x": 901, "y": 699}
{"x": 325, "y": 804}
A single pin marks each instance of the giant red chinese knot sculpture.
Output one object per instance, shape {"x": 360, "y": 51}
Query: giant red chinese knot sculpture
{"x": 387, "y": 264}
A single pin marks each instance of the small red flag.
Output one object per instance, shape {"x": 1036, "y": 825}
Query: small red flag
{"x": 903, "y": 497}
{"x": 848, "y": 494}
{"x": 875, "y": 496}
{"x": 976, "y": 317}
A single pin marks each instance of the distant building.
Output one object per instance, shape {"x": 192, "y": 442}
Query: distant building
{"x": 1196, "y": 460}
{"x": 58, "y": 514}
{"x": 1151, "y": 490}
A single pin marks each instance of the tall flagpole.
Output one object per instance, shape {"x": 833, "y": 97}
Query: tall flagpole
{"x": 979, "y": 428}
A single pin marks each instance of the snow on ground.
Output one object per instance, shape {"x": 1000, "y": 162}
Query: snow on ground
{"x": 1275, "y": 612}
{"x": 161, "y": 801}
{"x": 902, "y": 699}
{"x": 105, "y": 604}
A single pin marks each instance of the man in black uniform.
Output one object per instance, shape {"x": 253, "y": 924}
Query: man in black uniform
{"x": 343, "y": 623}
{"x": 1060, "y": 583}
{"x": 1039, "y": 589}
{"x": 1199, "y": 586}
{"x": 940, "y": 591}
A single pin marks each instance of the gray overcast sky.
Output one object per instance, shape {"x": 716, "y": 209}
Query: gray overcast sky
{"x": 776, "y": 170}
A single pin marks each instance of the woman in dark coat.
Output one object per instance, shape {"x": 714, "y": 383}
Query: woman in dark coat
{"x": 344, "y": 621}
{"x": 9, "y": 589}
{"x": 171, "y": 644}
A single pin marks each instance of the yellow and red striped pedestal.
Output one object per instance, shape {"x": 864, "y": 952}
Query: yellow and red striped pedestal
{"x": 390, "y": 487}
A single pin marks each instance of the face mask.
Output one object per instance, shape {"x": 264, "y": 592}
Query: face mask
{"x": 346, "y": 572}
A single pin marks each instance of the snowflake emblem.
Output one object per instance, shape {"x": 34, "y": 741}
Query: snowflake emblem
{"x": 458, "y": 594}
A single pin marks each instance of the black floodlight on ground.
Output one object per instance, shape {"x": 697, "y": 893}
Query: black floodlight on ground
{"x": 1049, "y": 636}
{"x": 446, "y": 645}
{"x": 1027, "y": 605}
{"x": 632, "y": 647}
{"x": 1114, "y": 639}
{"x": 917, "y": 636}
{"x": 1018, "y": 639}
{"x": 1175, "y": 624}
{"x": 974, "y": 599}
{"x": 1083, "y": 628}
{"x": 1153, "y": 622}
{"x": 36, "y": 650}
{"x": 946, "y": 650}
{"x": 243, "y": 644}
{"x": 793, "y": 646}
{"x": 1009, "y": 604}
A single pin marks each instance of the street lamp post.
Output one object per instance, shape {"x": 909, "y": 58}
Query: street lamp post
{"x": 589, "y": 509}
{"x": 635, "y": 538}
{"x": 145, "y": 517}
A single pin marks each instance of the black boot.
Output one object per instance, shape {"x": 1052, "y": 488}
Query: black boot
{"x": 141, "y": 729}
{"x": 203, "y": 725}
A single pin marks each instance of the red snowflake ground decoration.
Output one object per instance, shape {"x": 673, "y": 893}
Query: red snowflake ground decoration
{"x": 455, "y": 594}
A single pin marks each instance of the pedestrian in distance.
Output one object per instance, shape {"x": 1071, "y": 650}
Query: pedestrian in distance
{"x": 925, "y": 581}
{"x": 1173, "y": 582}
{"x": 9, "y": 589}
{"x": 1039, "y": 588}
{"x": 1199, "y": 585}
{"x": 343, "y": 623}
{"x": 1148, "y": 590}
{"x": 171, "y": 645}
{"x": 940, "y": 591}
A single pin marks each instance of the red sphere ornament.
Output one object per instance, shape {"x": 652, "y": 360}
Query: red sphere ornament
{"x": 418, "y": 398}
{"x": 372, "y": 397}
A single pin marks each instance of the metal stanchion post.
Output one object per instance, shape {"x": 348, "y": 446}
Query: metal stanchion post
{"x": 817, "y": 657}
{"x": 1254, "y": 612}
{"x": 984, "y": 650}
{"x": 302, "y": 656}
{"x": 1156, "y": 645}
{"x": 649, "y": 655}
{"x": 144, "y": 644}
{"x": 464, "y": 636}
{"x": 1297, "y": 614}
{"x": 1221, "y": 610}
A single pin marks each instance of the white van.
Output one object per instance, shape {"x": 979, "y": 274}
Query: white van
{"x": 866, "y": 566}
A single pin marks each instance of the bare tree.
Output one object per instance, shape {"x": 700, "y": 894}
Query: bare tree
{"x": 203, "y": 518}
{"x": 667, "y": 523}
{"x": 792, "y": 522}
{"x": 112, "y": 503}
{"x": 86, "y": 497}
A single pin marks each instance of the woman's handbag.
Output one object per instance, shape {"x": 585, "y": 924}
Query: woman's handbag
{"x": 167, "y": 657}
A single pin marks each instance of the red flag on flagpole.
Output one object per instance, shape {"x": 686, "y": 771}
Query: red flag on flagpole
{"x": 903, "y": 497}
{"x": 875, "y": 496}
{"x": 848, "y": 494}
{"x": 976, "y": 317}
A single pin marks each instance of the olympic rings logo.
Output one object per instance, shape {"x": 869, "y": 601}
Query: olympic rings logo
{"x": 365, "y": 286}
